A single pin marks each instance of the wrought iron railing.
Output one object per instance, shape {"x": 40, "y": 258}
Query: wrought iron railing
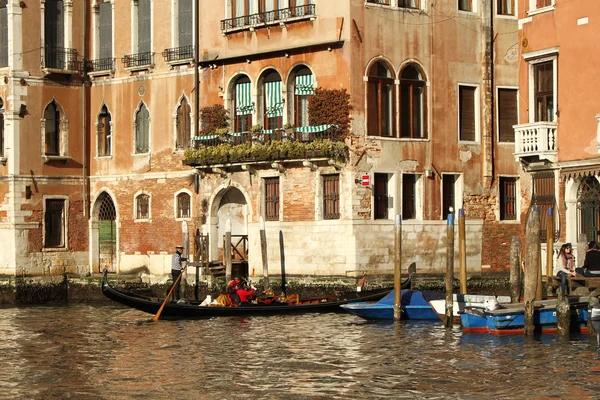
{"x": 100, "y": 64}
{"x": 62, "y": 58}
{"x": 138, "y": 60}
{"x": 536, "y": 139}
{"x": 268, "y": 17}
{"x": 178, "y": 53}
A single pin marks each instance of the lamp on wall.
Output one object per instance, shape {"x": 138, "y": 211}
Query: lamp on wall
{"x": 22, "y": 4}
{"x": 23, "y": 111}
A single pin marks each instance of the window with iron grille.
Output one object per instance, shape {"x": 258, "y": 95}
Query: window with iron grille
{"x": 544, "y": 198}
{"x": 3, "y": 34}
{"x": 52, "y": 130}
{"x": 271, "y": 199}
{"x": 331, "y": 196}
{"x": 508, "y": 198}
{"x": 507, "y": 114}
{"x": 54, "y": 223}
{"x": 448, "y": 194}
{"x": 183, "y": 125}
{"x": 505, "y": 7}
{"x": 104, "y": 129}
{"x": 54, "y": 34}
{"x": 409, "y": 196}
{"x": 380, "y": 196}
{"x": 380, "y": 101}
{"x": 466, "y": 113}
{"x": 142, "y": 206}
{"x": 183, "y": 205}
{"x": 142, "y": 130}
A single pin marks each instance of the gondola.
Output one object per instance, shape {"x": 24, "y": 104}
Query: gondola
{"x": 193, "y": 309}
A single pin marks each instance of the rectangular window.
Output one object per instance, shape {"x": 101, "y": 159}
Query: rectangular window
{"x": 507, "y": 114}
{"x": 272, "y": 199}
{"x": 385, "y": 2}
{"x": 54, "y": 34}
{"x": 505, "y": 7}
{"x": 142, "y": 206}
{"x": 466, "y": 112}
{"x": 144, "y": 26}
{"x": 543, "y": 81}
{"x": 54, "y": 221}
{"x": 544, "y": 198}
{"x": 448, "y": 194}
{"x": 380, "y": 195}
{"x": 409, "y": 3}
{"x": 3, "y": 34}
{"x": 331, "y": 196}
{"x": 409, "y": 196}
{"x": 105, "y": 11}
{"x": 185, "y": 22}
{"x": 465, "y": 5}
{"x": 508, "y": 198}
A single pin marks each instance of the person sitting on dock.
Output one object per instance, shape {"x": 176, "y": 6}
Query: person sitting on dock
{"x": 591, "y": 265}
{"x": 565, "y": 265}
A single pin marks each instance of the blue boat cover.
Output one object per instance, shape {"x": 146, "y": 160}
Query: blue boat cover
{"x": 412, "y": 297}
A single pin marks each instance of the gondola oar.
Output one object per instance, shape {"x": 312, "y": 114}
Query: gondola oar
{"x": 157, "y": 316}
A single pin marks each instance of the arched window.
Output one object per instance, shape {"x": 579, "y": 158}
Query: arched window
{"x": 183, "y": 125}
{"x": 52, "y": 138}
{"x": 380, "y": 101}
{"x": 104, "y": 130}
{"x": 412, "y": 103}
{"x": 588, "y": 205}
{"x": 242, "y": 95}
{"x": 272, "y": 100}
{"x": 303, "y": 89}
{"x": 183, "y": 205}
{"x": 142, "y": 130}
{"x": 142, "y": 206}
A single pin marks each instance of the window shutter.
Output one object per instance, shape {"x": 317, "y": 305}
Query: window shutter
{"x": 183, "y": 125}
{"x": 105, "y": 30}
{"x": 186, "y": 13}
{"x": 372, "y": 111}
{"x": 142, "y": 128}
{"x": 507, "y": 114}
{"x": 3, "y": 35}
{"x": 467, "y": 113}
{"x": 144, "y": 26}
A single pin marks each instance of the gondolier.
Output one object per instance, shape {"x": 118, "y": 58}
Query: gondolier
{"x": 176, "y": 268}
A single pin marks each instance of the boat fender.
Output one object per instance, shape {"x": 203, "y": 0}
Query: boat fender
{"x": 206, "y": 301}
{"x": 491, "y": 304}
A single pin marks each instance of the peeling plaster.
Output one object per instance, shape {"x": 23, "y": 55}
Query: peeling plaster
{"x": 465, "y": 155}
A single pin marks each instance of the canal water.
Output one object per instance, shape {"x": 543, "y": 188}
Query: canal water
{"x": 111, "y": 352}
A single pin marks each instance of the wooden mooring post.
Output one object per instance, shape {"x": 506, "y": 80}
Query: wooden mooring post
{"x": 449, "y": 268}
{"x": 532, "y": 267}
{"x": 227, "y": 251}
{"x": 462, "y": 250}
{"x": 263, "y": 252}
{"x": 549, "y": 250}
{"x": 282, "y": 256}
{"x": 397, "y": 268}
{"x": 515, "y": 269}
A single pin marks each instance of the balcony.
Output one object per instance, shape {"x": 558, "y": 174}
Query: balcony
{"x": 179, "y": 55}
{"x": 281, "y": 16}
{"x": 100, "y": 66}
{"x": 139, "y": 61}
{"x": 61, "y": 60}
{"x": 536, "y": 140}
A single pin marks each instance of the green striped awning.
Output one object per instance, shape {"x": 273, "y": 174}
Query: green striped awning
{"x": 304, "y": 85}
{"x": 274, "y": 102}
{"x": 313, "y": 129}
{"x": 206, "y": 137}
{"x": 243, "y": 98}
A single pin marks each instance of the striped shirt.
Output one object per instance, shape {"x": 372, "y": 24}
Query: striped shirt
{"x": 176, "y": 262}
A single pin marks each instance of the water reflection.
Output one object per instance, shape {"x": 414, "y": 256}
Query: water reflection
{"x": 106, "y": 352}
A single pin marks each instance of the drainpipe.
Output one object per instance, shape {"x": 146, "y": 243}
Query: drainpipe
{"x": 196, "y": 66}
{"x": 488, "y": 78}
{"x": 83, "y": 113}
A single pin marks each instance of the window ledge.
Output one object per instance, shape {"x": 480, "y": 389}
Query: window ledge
{"x": 137, "y": 68}
{"x": 417, "y": 10}
{"x": 469, "y": 142}
{"x": 183, "y": 219}
{"x": 510, "y": 221}
{"x": 49, "y": 71}
{"x": 54, "y": 249}
{"x": 48, "y": 159}
{"x": 148, "y": 220}
{"x": 103, "y": 158}
{"x": 397, "y": 139}
{"x": 3, "y": 160}
{"x": 183, "y": 61}
{"x": 106, "y": 72}
{"x": 541, "y": 10}
{"x": 140, "y": 154}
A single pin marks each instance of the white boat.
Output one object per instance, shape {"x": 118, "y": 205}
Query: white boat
{"x": 460, "y": 301}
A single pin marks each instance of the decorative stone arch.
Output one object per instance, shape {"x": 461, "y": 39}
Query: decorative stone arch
{"x": 104, "y": 233}
{"x": 99, "y": 127}
{"x": 229, "y": 200}
{"x": 63, "y": 129}
{"x": 261, "y": 96}
{"x": 183, "y": 100}
{"x": 141, "y": 105}
{"x": 135, "y": 205}
{"x": 384, "y": 60}
{"x": 230, "y": 101}
{"x": 288, "y": 94}
{"x": 412, "y": 100}
{"x": 176, "y": 205}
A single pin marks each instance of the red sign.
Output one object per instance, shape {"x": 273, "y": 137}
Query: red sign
{"x": 366, "y": 180}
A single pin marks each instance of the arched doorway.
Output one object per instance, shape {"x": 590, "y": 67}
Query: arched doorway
{"x": 588, "y": 207}
{"x": 104, "y": 234}
{"x": 230, "y": 204}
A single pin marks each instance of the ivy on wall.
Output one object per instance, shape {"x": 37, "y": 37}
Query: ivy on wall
{"x": 330, "y": 106}
{"x": 213, "y": 118}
